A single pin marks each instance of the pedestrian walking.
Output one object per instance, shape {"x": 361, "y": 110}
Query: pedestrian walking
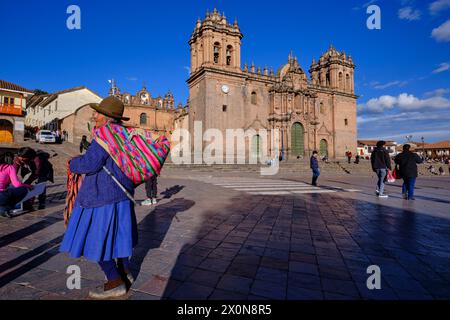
{"x": 84, "y": 144}
{"x": 407, "y": 162}
{"x": 102, "y": 226}
{"x": 314, "y": 164}
{"x": 349, "y": 156}
{"x": 441, "y": 171}
{"x": 151, "y": 188}
{"x": 381, "y": 163}
{"x": 357, "y": 159}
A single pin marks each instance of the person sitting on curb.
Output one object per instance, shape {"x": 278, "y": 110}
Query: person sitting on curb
{"x": 12, "y": 191}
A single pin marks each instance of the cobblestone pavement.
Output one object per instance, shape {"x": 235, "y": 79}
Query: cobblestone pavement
{"x": 209, "y": 237}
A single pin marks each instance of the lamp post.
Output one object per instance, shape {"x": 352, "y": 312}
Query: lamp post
{"x": 423, "y": 148}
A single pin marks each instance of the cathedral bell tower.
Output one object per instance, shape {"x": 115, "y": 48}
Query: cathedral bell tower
{"x": 215, "y": 43}
{"x": 334, "y": 70}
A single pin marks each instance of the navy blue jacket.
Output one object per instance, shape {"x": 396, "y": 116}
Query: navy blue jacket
{"x": 98, "y": 188}
{"x": 314, "y": 163}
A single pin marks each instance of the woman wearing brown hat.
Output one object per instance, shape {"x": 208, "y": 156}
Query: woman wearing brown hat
{"x": 102, "y": 226}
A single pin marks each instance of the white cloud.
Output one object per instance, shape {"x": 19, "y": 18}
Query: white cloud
{"x": 407, "y": 13}
{"x": 438, "y": 92}
{"x": 405, "y": 102}
{"x": 442, "y": 67}
{"x": 379, "y": 86}
{"x": 442, "y": 33}
{"x": 438, "y": 6}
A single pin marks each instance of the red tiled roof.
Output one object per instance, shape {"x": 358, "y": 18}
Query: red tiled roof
{"x": 374, "y": 143}
{"x": 438, "y": 145}
{"x": 11, "y": 86}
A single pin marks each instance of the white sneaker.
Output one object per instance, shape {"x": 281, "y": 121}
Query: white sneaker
{"x": 154, "y": 201}
{"x": 383, "y": 196}
{"x": 147, "y": 202}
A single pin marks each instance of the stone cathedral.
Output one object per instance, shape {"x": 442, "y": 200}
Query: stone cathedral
{"x": 315, "y": 112}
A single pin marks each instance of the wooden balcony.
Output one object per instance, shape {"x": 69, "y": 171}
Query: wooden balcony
{"x": 11, "y": 109}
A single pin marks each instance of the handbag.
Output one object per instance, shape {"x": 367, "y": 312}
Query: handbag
{"x": 390, "y": 177}
{"x": 396, "y": 173}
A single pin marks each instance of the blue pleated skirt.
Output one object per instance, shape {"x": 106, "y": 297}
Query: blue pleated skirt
{"x": 101, "y": 234}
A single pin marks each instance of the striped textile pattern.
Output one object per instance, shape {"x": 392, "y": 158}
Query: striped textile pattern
{"x": 74, "y": 181}
{"x": 133, "y": 150}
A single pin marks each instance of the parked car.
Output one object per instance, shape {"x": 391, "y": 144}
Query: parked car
{"x": 45, "y": 136}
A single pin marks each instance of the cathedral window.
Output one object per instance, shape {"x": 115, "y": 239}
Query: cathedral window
{"x": 224, "y": 108}
{"x": 347, "y": 82}
{"x": 322, "y": 108}
{"x": 254, "y": 98}
{"x": 328, "y": 79}
{"x": 143, "y": 119}
{"x": 346, "y": 122}
{"x": 216, "y": 52}
{"x": 229, "y": 53}
{"x": 341, "y": 84}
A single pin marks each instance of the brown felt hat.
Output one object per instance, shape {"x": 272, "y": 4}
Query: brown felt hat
{"x": 111, "y": 106}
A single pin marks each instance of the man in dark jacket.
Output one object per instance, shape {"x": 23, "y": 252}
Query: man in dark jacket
{"x": 314, "y": 164}
{"x": 407, "y": 162}
{"x": 381, "y": 163}
{"x": 44, "y": 173}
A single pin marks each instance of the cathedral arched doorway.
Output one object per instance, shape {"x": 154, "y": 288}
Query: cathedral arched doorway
{"x": 323, "y": 148}
{"x": 297, "y": 140}
{"x": 6, "y": 131}
{"x": 256, "y": 147}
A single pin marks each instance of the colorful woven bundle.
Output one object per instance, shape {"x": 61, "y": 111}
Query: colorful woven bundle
{"x": 133, "y": 150}
{"x": 73, "y": 185}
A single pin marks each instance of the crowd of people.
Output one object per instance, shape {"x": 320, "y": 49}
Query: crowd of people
{"x": 18, "y": 173}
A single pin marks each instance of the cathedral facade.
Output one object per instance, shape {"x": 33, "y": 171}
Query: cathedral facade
{"x": 315, "y": 112}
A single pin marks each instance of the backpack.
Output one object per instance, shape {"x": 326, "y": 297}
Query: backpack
{"x": 133, "y": 150}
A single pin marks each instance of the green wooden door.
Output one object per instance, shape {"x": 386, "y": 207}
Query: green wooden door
{"x": 323, "y": 148}
{"x": 256, "y": 147}
{"x": 298, "y": 140}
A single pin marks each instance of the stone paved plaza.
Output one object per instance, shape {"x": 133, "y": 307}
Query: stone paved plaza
{"x": 242, "y": 236}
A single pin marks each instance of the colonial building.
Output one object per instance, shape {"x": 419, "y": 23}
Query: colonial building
{"x": 155, "y": 114}
{"x": 13, "y": 102}
{"x": 46, "y": 111}
{"x": 312, "y": 113}
{"x": 366, "y": 147}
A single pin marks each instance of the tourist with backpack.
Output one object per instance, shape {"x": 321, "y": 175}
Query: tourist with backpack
{"x": 381, "y": 163}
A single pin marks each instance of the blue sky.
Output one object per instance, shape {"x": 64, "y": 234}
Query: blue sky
{"x": 402, "y": 75}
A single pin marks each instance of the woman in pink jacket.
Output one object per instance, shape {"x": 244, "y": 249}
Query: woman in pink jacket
{"x": 12, "y": 191}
